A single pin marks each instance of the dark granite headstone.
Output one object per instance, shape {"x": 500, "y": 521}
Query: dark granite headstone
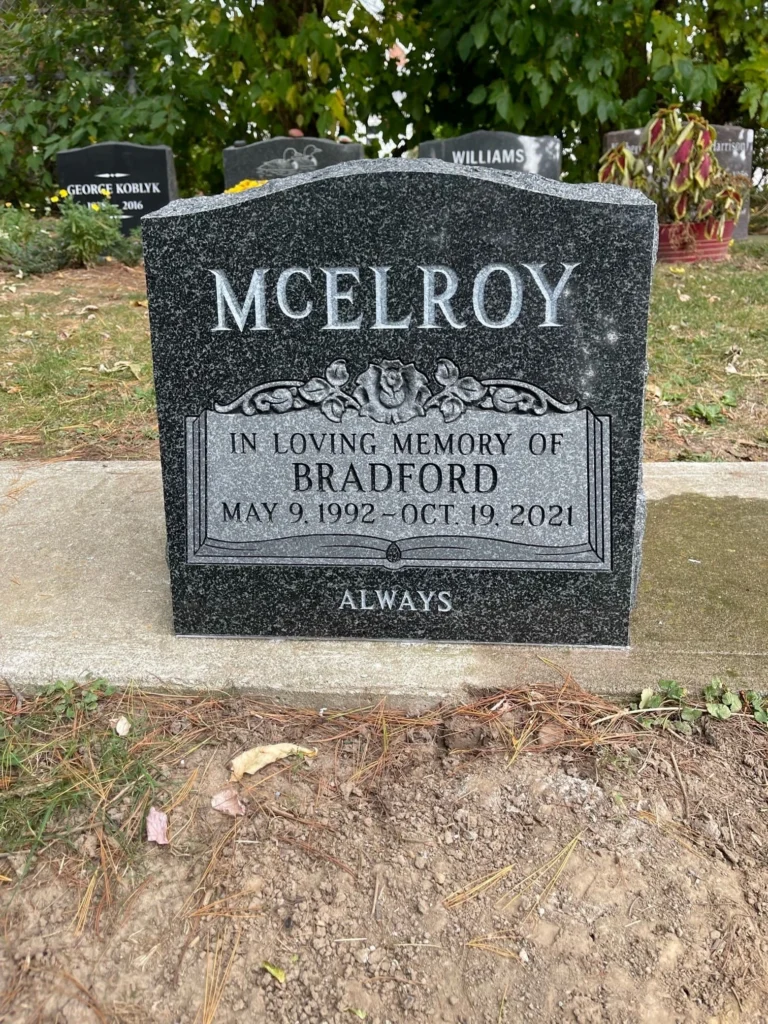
{"x": 399, "y": 398}
{"x": 733, "y": 148}
{"x": 283, "y": 157}
{"x": 502, "y": 150}
{"x": 140, "y": 179}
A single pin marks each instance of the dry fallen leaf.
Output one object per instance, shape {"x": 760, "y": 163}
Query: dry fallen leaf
{"x": 122, "y": 726}
{"x": 683, "y": 297}
{"x": 257, "y": 757}
{"x": 86, "y": 309}
{"x": 121, "y": 364}
{"x": 157, "y": 827}
{"x": 228, "y": 802}
{"x": 550, "y": 734}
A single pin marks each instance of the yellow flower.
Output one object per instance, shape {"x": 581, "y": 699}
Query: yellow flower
{"x": 54, "y": 199}
{"x": 9, "y": 204}
{"x": 104, "y": 191}
{"x": 63, "y": 193}
{"x": 94, "y": 206}
{"x": 247, "y": 183}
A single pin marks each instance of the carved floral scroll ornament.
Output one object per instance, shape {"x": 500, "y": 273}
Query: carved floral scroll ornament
{"x": 394, "y": 392}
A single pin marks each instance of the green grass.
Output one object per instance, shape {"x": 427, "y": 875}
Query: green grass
{"x": 704, "y": 318}
{"x": 65, "y": 772}
{"x": 77, "y": 383}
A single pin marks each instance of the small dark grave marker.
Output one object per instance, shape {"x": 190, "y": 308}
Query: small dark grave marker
{"x": 283, "y": 157}
{"x": 733, "y": 148}
{"x": 503, "y": 151}
{"x": 140, "y": 179}
{"x": 423, "y": 424}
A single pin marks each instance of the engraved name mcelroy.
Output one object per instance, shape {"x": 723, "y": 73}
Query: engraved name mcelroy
{"x": 336, "y": 292}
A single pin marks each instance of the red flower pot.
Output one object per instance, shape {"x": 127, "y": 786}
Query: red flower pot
{"x": 689, "y": 243}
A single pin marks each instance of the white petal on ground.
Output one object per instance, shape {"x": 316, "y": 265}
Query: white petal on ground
{"x": 157, "y": 827}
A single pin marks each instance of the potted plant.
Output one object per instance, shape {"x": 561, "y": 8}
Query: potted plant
{"x": 698, "y": 201}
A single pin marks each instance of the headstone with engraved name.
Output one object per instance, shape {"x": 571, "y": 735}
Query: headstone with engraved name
{"x": 284, "y": 157}
{"x": 733, "y": 148}
{"x": 503, "y": 151}
{"x": 139, "y": 179}
{"x": 424, "y": 425}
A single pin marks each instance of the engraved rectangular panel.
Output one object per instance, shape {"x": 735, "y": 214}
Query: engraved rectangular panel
{"x": 492, "y": 490}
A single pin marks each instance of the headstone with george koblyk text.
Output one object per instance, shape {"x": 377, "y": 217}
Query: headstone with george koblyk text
{"x": 139, "y": 179}
{"x": 421, "y": 426}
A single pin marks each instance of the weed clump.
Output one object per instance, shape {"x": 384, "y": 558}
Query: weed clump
{"x": 80, "y": 236}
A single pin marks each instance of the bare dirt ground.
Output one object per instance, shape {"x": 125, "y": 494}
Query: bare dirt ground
{"x": 533, "y": 857}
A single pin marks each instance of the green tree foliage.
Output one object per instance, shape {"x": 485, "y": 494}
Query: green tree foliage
{"x": 193, "y": 74}
{"x": 578, "y": 68}
{"x": 200, "y": 74}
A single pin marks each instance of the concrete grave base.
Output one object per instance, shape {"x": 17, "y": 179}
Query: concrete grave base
{"x": 84, "y": 593}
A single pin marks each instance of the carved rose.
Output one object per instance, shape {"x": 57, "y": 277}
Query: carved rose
{"x": 390, "y": 392}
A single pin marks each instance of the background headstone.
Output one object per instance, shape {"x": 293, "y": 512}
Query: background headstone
{"x": 140, "y": 178}
{"x": 424, "y": 426}
{"x": 283, "y": 157}
{"x": 733, "y": 148}
{"x": 503, "y": 151}
{"x": 629, "y": 137}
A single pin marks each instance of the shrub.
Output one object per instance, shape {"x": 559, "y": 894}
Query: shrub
{"x": 128, "y": 249}
{"x": 677, "y": 168}
{"x": 88, "y": 231}
{"x": 81, "y": 236}
{"x": 28, "y": 243}
{"x": 758, "y": 213}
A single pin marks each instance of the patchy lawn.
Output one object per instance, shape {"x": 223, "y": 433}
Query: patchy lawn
{"x": 75, "y": 366}
{"x": 76, "y": 376}
{"x": 707, "y": 395}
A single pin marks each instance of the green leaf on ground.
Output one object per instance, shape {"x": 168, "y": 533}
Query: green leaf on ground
{"x": 277, "y": 972}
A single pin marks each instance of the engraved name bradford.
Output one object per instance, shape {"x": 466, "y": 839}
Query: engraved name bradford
{"x": 399, "y": 467}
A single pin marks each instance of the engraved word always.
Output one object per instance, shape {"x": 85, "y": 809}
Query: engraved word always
{"x": 343, "y": 295}
{"x": 397, "y": 601}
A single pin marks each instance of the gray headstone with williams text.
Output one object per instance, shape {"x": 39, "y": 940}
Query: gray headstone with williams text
{"x": 503, "y": 151}
{"x": 284, "y": 157}
{"x": 139, "y": 179}
{"x": 424, "y": 426}
{"x": 733, "y": 148}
